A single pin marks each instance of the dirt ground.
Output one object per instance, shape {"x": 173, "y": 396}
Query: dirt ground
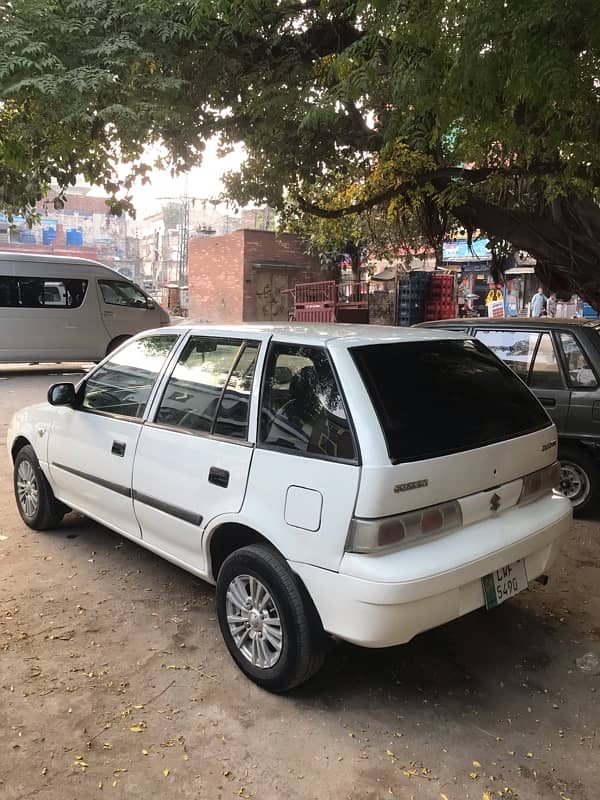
{"x": 114, "y": 682}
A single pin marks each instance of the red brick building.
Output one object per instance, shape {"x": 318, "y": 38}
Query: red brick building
{"x": 240, "y": 276}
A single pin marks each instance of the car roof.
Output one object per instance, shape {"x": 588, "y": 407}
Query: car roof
{"x": 343, "y": 334}
{"x": 514, "y": 322}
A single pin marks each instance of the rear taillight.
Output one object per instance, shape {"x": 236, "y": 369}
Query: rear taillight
{"x": 377, "y": 535}
{"x": 539, "y": 483}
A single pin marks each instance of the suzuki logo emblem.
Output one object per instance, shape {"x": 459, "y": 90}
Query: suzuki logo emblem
{"x": 495, "y": 501}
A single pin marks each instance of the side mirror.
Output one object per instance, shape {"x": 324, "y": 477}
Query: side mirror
{"x": 62, "y": 394}
{"x": 150, "y": 304}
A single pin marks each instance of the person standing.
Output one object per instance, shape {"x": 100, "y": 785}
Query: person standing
{"x": 551, "y": 305}
{"x": 538, "y": 303}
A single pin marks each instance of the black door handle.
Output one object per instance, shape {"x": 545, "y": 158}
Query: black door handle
{"x": 220, "y": 477}
{"x": 548, "y": 401}
{"x": 118, "y": 449}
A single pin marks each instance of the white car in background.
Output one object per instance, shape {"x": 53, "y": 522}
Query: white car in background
{"x": 353, "y": 482}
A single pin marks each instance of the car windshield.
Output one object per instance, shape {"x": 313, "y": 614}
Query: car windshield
{"x": 441, "y": 397}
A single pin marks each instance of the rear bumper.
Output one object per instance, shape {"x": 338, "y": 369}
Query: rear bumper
{"x": 383, "y": 613}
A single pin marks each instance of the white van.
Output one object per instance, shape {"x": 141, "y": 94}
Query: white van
{"x": 362, "y": 482}
{"x": 57, "y": 308}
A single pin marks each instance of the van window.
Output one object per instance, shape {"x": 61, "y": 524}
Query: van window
{"x": 32, "y": 292}
{"x": 194, "y": 389}
{"x": 120, "y": 293}
{"x": 545, "y": 373}
{"x": 437, "y": 398}
{"x": 123, "y": 385}
{"x": 579, "y": 368}
{"x": 302, "y": 407}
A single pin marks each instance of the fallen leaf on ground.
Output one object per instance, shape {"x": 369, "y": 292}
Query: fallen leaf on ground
{"x": 166, "y": 772}
{"x": 138, "y": 728}
{"x": 473, "y": 776}
{"x": 476, "y": 764}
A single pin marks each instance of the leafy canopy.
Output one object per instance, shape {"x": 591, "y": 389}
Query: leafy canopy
{"x": 424, "y": 113}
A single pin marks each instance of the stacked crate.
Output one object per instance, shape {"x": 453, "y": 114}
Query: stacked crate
{"x": 441, "y": 303}
{"x": 412, "y": 296}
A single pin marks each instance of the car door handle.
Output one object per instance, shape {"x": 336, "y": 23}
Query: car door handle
{"x": 118, "y": 449}
{"x": 220, "y": 477}
{"x": 108, "y": 313}
{"x": 548, "y": 401}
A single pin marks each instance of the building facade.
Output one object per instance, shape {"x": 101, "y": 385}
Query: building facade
{"x": 247, "y": 276}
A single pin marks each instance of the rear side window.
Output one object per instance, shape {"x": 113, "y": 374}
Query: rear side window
{"x": 31, "y": 292}
{"x": 515, "y": 348}
{"x": 546, "y": 372}
{"x": 123, "y": 385}
{"x": 436, "y": 398}
{"x": 302, "y": 408}
{"x": 579, "y": 368}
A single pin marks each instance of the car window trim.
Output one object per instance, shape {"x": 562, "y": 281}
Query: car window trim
{"x": 217, "y": 437}
{"x": 106, "y": 302}
{"x": 356, "y": 461}
{"x": 563, "y": 356}
{"x": 138, "y": 420}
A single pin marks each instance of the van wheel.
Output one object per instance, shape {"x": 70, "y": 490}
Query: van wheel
{"x": 270, "y": 628}
{"x": 37, "y": 505}
{"x": 579, "y": 479}
{"x": 116, "y": 342}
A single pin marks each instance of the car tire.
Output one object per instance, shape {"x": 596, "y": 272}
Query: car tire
{"x": 116, "y": 342}
{"x": 269, "y": 623}
{"x": 580, "y": 479}
{"x": 38, "y": 507}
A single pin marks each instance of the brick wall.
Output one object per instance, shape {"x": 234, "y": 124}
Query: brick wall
{"x": 222, "y": 271}
{"x": 265, "y": 247}
{"x": 215, "y": 277}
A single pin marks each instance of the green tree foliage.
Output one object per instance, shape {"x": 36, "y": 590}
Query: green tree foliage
{"x": 407, "y": 115}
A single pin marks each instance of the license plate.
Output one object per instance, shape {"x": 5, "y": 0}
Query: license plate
{"x": 504, "y": 583}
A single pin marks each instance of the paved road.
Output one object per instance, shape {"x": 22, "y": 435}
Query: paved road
{"x": 114, "y": 682}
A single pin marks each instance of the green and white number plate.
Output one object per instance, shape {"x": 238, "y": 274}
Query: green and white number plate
{"x": 504, "y": 583}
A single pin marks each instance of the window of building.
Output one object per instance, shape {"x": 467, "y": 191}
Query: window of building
{"x": 302, "y": 408}
{"x": 120, "y": 293}
{"x": 579, "y": 368}
{"x": 123, "y": 385}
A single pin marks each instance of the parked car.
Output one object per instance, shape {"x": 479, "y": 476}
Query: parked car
{"x": 56, "y": 308}
{"x": 559, "y": 359}
{"x": 353, "y": 482}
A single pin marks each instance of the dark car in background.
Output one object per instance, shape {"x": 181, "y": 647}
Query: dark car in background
{"x": 559, "y": 359}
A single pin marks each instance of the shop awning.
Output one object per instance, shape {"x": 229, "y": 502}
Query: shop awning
{"x": 520, "y": 271}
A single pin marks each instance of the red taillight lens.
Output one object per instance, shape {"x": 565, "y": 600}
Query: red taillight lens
{"x": 432, "y": 520}
{"x": 390, "y": 532}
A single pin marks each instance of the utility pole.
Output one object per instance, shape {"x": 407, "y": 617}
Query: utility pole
{"x": 183, "y": 239}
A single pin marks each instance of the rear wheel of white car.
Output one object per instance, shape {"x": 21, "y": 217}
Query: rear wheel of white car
{"x": 579, "y": 479}
{"x": 269, "y": 625}
{"x": 35, "y": 500}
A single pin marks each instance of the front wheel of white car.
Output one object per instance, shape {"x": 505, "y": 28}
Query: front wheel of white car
{"x": 37, "y": 505}
{"x": 270, "y": 627}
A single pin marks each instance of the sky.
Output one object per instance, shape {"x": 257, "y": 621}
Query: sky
{"x": 201, "y": 182}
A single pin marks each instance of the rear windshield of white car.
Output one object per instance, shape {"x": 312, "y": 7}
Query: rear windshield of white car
{"x": 436, "y": 398}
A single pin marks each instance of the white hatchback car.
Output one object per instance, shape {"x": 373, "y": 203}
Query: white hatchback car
{"x": 353, "y": 482}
